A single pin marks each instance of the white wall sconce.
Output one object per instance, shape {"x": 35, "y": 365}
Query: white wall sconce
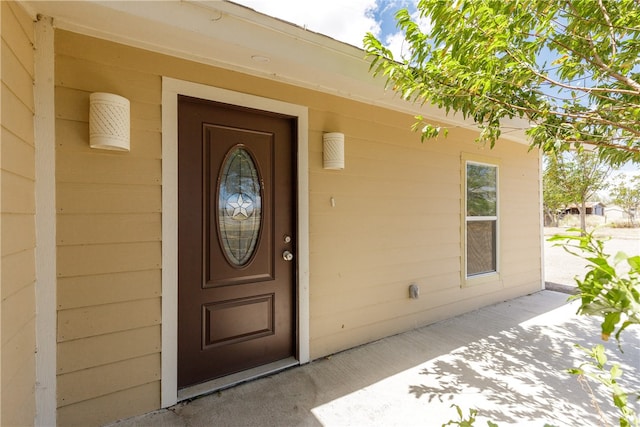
{"x": 333, "y": 150}
{"x": 109, "y": 122}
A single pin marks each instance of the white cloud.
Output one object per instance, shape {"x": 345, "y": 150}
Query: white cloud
{"x": 347, "y": 21}
{"x": 424, "y": 24}
{"x": 396, "y": 42}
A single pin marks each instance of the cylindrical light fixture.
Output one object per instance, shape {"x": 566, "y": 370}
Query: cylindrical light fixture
{"x": 109, "y": 122}
{"x": 333, "y": 150}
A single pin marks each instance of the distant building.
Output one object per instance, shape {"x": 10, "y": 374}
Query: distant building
{"x": 615, "y": 213}
{"x": 593, "y": 208}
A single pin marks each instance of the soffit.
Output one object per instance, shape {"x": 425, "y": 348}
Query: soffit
{"x": 228, "y": 35}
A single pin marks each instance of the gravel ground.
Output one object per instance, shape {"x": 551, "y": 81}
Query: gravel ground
{"x": 561, "y": 267}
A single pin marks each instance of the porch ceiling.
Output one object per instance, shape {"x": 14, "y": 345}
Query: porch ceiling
{"x": 232, "y": 36}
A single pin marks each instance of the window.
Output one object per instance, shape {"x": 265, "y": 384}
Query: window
{"x": 481, "y": 224}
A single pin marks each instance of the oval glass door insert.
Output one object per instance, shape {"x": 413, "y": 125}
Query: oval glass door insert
{"x": 239, "y": 206}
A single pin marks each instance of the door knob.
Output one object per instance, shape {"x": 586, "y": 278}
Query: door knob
{"x": 287, "y": 256}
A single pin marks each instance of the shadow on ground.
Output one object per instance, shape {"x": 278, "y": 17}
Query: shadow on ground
{"x": 517, "y": 376}
{"x": 506, "y": 360}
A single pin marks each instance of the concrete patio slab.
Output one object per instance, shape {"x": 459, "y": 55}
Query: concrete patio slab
{"x": 507, "y": 361}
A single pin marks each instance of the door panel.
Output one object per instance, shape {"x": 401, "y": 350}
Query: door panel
{"x": 236, "y": 213}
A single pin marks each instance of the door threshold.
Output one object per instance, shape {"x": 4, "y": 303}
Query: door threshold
{"x": 235, "y": 379}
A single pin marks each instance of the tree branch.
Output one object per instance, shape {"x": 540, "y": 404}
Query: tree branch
{"x": 530, "y": 111}
{"x": 553, "y": 82}
{"x": 597, "y": 60}
{"x": 607, "y": 145}
{"x": 596, "y": 118}
{"x": 611, "y": 31}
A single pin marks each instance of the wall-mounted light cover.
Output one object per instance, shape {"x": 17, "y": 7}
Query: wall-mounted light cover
{"x": 109, "y": 122}
{"x": 333, "y": 150}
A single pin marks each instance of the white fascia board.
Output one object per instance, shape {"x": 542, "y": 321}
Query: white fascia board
{"x": 227, "y": 35}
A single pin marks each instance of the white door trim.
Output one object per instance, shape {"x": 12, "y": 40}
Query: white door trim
{"x": 171, "y": 88}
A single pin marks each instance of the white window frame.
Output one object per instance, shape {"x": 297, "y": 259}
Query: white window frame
{"x": 491, "y": 276}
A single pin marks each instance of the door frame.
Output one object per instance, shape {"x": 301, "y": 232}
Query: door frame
{"x": 171, "y": 88}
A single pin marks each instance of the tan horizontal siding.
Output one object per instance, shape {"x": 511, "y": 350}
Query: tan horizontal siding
{"x": 91, "y": 383}
{"x": 20, "y": 80}
{"x": 437, "y": 309}
{"x": 517, "y": 235}
{"x": 144, "y": 115}
{"x": 103, "y": 319}
{"x": 84, "y": 291}
{"x": 18, "y": 34}
{"x": 418, "y": 312}
{"x": 18, "y": 271}
{"x": 401, "y": 306}
{"x": 509, "y": 225}
{"x": 375, "y": 297}
{"x": 24, "y": 20}
{"x": 518, "y": 205}
{"x": 15, "y": 364}
{"x": 374, "y": 185}
{"x": 108, "y": 198}
{"x": 390, "y": 223}
{"x": 17, "y": 313}
{"x": 80, "y": 74}
{"x": 104, "y": 349}
{"x": 424, "y": 272}
{"x": 108, "y": 258}
{"x": 105, "y": 53}
{"x": 361, "y": 133}
{"x": 108, "y": 408}
{"x": 429, "y": 209}
{"x": 395, "y": 222}
{"x": 18, "y": 379}
{"x": 72, "y": 136}
{"x": 17, "y": 155}
{"x": 18, "y": 237}
{"x": 18, "y": 194}
{"x": 15, "y": 115}
{"x": 411, "y": 232}
{"x": 400, "y": 201}
{"x": 108, "y": 228}
{"x": 108, "y": 168}
{"x": 520, "y": 255}
{"x": 519, "y": 185}
{"x": 109, "y": 250}
{"x": 376, "y": 259}
{"x": 429, "y": 177}
{"x": 529, "y": 278}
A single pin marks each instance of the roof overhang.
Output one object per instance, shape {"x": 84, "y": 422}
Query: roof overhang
{"x": 231, "y": 36}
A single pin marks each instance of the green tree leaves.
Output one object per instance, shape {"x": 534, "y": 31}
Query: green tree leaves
{"x": 574, "y": 177}
{"x": 604, "y": 291}
{"x": 569, "y": 67}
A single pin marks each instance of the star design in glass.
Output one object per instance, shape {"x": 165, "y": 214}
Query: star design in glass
{"x": 241, "y": 208}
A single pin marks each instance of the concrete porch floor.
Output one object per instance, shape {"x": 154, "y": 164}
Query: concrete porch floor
{"x": 506, "y": 360}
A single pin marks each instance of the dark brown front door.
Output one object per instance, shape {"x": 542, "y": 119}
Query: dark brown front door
{"x": 236, "y": 241}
